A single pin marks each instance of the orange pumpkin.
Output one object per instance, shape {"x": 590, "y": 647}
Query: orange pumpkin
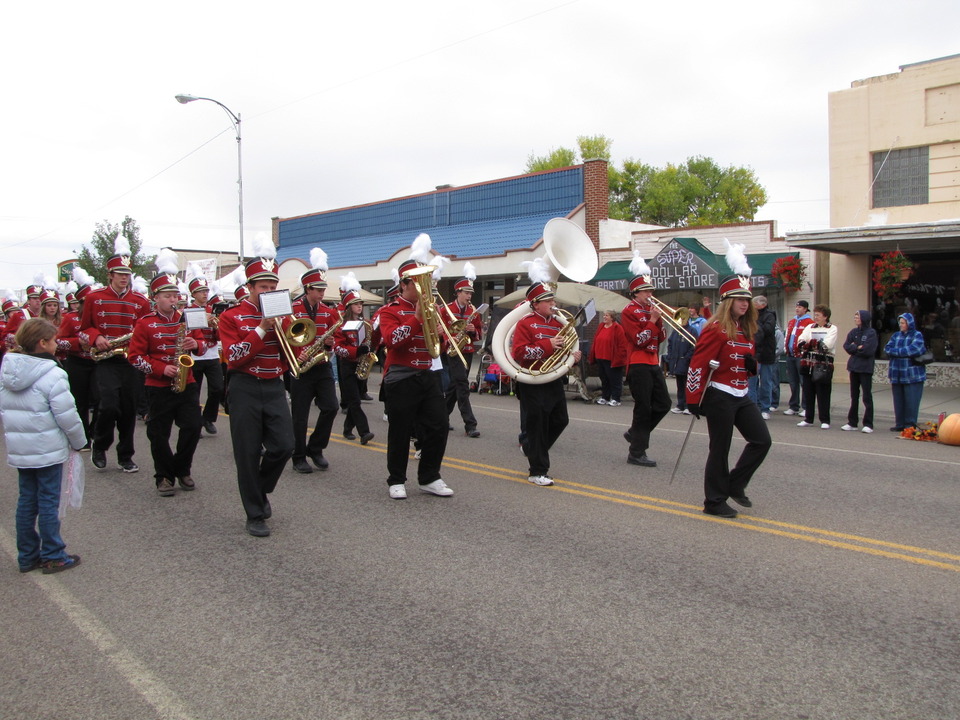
{"x": 949, "y": 431}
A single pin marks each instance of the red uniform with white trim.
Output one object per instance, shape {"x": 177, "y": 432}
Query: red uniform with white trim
{"x": 402, "y": 334}
{"x": 324, "y": 318}
{"x": 244, "y": 349}
{"x": 68, "y": 336}
{"x": 474, "y": 327}
{"x": 643, "y": 334}
{"x": 154, "y": 346}
{"x": 531, "y": 338}
{"x": 107, "y": 313}
{"x": 15, "y": 319}
{"x": 732, "y": 376}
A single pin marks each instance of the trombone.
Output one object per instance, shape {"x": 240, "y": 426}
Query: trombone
{"x": 300, "y": 332}
{"x": 676, "y": 318}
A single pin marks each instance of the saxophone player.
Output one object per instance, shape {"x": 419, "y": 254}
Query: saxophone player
{"x": 111, "y": 313}
{"x": 159, "y": 338}
{"x": 543, "y": 407}
{"x": 465, "y": 313}
{"x": 316, "y": 384}
{"x": 349, "y": 353}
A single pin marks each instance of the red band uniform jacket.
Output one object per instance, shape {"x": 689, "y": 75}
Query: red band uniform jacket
{"x": 531, "y": 339}
{"x": 643, "y": 334}
{"x": 243, "y": 348}
{"x": 154, "y": 346}
{"x": 731, "y": 377}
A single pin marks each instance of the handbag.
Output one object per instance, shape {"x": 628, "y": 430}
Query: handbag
{"x": 924, "y": 358}
{"x": 822, "y": 372}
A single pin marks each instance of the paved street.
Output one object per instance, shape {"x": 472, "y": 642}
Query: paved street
{"x": 609, "y": 595}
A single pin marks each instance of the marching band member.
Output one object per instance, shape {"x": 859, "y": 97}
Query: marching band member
{"x": 109, "y": 314}
{"x": 723, "y": 396}
{"x": 349, "y": 352}
{"x": 16, "y": 317}
{"x": 51, "y": 312}
{"x": 644, "y": 331}
{"x": 173, "y": 396}
{"x": 316, "y": 384}
{"x": 462, "y": 308}
{"x": 260, "y": 424}
{"x": 80, "y": 366}
{"x": 412, "y": 386}
{"x": 207, "y": 366}
{"x": 543, "y": 407}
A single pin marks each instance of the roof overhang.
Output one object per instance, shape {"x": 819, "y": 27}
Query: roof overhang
{"x": 913, "y": 238}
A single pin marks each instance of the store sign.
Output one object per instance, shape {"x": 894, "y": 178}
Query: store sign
{"x": 676, "y": 268}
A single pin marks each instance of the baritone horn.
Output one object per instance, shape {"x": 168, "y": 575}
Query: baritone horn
{"x": 300, "y": 332}
{"x": 676, "y": 318}
{"x": 430, "y": 318}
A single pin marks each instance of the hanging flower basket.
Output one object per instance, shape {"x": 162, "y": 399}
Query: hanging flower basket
{"x": 890, "y": 271}
{"x": 790, "y": 271}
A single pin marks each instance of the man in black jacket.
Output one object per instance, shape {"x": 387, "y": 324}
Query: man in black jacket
{"x": 766, "y": 350}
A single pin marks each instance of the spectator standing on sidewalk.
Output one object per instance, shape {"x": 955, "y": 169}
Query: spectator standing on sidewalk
{"x": 794, "y": 328}
{"x": 766, "y": 354}
{"x": 861, "y": 346}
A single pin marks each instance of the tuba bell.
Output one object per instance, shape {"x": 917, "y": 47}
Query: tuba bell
{"x": 569, "y": 252}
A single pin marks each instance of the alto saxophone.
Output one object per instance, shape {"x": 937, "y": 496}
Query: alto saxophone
{"x": 317, "y": 353}
{"x": 366, "y": 363}
{"x": 183, "y": 362}
{"x": 117, "y": 346}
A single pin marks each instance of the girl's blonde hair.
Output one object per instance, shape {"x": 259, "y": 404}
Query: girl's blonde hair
{"x": 728, "y": 324}
{"x": 32, "y": 332}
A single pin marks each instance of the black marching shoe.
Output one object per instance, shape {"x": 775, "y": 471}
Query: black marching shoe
{"x": 302, "y": 466}
{"x": 257, "y": 528}
{"x": 99, "y": 458}
{"x": 721, "y": 510}
{"x": 366, "y": 437}
{"x": 641, "y": 460}
{"x": 349, "y": 436}
{"x": 320, "y": 461}
{"x": 209, "y": 427}
{"x": 742, "y": 501}
{"x": 129, "y": 466}
{"x": 474, "y": 433}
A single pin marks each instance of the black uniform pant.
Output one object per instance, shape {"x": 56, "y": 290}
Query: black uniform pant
{"x": 651, "y": 402}
{"x": 259, "y": 423}
{"x": 458, "y": 392}
{"x": 543, "y": 411}
{"x": 81, "y": 372}
{"x": 314, "y": 385}
{"x": 119, "y": 385}
{"x": 724, "y": 413}
{"x": 350, "y": 397}
{"x": 212, "y": 370}
{"x": 415, "y": 400}
{"x": 166, "y": 408}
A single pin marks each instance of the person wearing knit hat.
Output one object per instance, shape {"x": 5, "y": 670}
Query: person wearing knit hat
{"x": 108, "y": 318}
{"x": 261, "y": 427}
{"x": 543, "y": 407}
{"x": 206, "y": 366}
{"x": 461, "y": 308}
{"x": 158, "y": 340}
{"x": 644, "y": 332}
{"x": 316, "y": 385}
{"x": 412, "y": 387}
{"x": 717, "y": 387}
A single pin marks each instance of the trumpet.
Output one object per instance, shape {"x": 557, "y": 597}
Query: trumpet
{"x": 301, "y": 332}
{"x": 117, "y": 346}
{"x": 676, "y": 318}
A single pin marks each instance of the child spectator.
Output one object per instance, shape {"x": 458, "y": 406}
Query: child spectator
{"x": 41, "y": 424}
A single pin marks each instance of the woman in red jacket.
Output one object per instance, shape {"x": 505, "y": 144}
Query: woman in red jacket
{"x": 609, "y": 353}
{"x": 721, "y": 395}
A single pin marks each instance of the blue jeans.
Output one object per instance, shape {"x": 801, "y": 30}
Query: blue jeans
{"x": 797, "y": 399}
{"x": 769, "y": 376}
{"x": 906, "y": 403}
{"x": 37, "y": 507}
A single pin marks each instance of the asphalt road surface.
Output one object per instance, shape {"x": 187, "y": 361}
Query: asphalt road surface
{"x": 609, "y": 595}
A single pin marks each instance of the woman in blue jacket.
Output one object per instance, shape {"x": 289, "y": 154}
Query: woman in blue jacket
{"x": 861, "y": 346}
{"x": 906, "y": 377}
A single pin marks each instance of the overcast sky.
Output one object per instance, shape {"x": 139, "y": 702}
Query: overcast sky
{"x": 350, "y": 103}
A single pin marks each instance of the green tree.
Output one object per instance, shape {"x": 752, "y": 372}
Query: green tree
{"x": 93, "y": 257}
{"x": 589, "y": 147}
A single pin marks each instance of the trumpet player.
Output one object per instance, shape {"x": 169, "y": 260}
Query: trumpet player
{"x": 413, "y": 395}
{"x": 350, "y": 351}
{"x": 643, "y": 328}
{"x": 543, "y": 407}
{"x": 316, "y": 385}
{"x": 159, "y": 339}
{"x": 109, "y": 314}
{"x": 465, "y": 313}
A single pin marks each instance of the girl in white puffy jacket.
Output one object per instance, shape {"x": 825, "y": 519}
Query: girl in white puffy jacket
{"x": 41, "y": 424}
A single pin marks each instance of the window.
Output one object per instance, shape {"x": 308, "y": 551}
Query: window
{"x": 902, "y": 177}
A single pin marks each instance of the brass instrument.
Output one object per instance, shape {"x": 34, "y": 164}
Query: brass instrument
{"x": 570, "y": 341}
{"x": 317, "y": 352}
{"x": 117, "y": 346}
{"x": 184, "y": 361}
{"x": 459, "y": 330}
{"x": 301, "y": 332}
{"x": 676, "y": 318}
{"x": 366, "y": 363}
{"x": 429, "y": 315}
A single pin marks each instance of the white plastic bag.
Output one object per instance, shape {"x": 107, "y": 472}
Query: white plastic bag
{"x": 71, "y": 484}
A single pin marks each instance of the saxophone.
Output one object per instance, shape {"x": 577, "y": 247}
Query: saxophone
{"x": 183, "y": 361}
{"x": 366, "y": 363}
{"x": 118, "y": 346}
{"x": 317, "y": 353}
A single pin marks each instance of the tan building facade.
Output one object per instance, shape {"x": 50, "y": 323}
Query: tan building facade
{"x": 895, "y": 185}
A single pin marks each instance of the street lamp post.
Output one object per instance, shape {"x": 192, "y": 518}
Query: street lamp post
{"x": 235, "y": 119}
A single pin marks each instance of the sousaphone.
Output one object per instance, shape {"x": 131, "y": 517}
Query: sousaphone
{"x": 569, "y": 252}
